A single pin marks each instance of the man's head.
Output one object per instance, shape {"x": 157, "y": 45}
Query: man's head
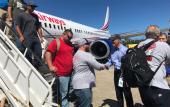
{"x": 67, "y": 35}
{"x": 83, "y": 44}
{"x": 116, "y": 40}
{"x": 31, "y": 6}
{"x": 152, "y": 31}
{"x": 163, "y": 37}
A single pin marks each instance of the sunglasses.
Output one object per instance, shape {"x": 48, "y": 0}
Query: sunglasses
{"x": 69, "y": 37}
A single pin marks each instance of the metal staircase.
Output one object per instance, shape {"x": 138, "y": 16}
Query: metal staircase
{"x": 23, "y": 85}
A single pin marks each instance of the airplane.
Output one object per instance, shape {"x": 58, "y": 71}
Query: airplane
{"x": 56, "y": 26}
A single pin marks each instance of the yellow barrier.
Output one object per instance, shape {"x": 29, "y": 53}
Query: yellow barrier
{"x": 131, "y": 45}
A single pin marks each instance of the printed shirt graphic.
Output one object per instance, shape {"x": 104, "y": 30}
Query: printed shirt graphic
{"x": 149, "y": 52}
{"x": 157, "y": 53}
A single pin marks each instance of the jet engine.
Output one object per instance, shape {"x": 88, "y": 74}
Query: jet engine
{"x": 101, "y": 49}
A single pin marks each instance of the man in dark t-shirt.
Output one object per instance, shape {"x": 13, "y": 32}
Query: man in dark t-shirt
{"x": 27, "y": 26}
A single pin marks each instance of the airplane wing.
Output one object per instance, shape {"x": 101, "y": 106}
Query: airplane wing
{"x": 127, "y": 35}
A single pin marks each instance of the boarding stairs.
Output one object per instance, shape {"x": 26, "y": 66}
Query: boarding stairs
{"x": 23, "y": 85}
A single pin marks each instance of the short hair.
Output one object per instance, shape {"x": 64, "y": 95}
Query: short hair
{"x": 115, "y": 37}
{"x": 164, "y": 34}
{"x": 152, "y": 31}
{"x": 68, "y": 31}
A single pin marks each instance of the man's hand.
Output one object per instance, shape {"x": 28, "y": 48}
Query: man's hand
{"x": 106, "y": 67}
{"x": 41, "y": 40}
{"x": 21, "y": 39}
{"x": 9, "y": 19}
{"x": 101, "y": 68}
{"x": 53, "y": 68}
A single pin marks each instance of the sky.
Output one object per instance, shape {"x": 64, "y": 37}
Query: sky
{"x": 125, "y": 15}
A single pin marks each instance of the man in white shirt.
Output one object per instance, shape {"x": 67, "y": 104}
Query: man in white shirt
{"x": 157, "y": 94}
{"x": 83, "y": 78}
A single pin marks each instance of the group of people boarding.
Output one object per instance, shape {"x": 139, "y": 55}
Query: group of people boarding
{"x": 78, "y": 67}
{"x": 20, "y": 17}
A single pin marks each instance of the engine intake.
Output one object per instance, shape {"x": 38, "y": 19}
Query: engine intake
{"x": 101, "y": 49}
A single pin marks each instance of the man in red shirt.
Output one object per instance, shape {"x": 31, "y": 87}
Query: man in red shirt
{"x": 62, "y": 63}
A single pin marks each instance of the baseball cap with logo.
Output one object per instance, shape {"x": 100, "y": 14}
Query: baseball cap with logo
{"x": 82, "y": 41}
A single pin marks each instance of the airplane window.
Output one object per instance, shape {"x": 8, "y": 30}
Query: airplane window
{"x": 58, "y": 27}
{"x": 45, "y": 24}
{"x": 61, "y": 27}
{"x": 64, "y": 28}
{"x": 50, "y": 25}
{"x": 54, "y": 26}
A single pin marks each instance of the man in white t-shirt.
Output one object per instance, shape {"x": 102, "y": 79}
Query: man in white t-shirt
{"x": 157, "y": 94}
{"x": 83, "y": 77}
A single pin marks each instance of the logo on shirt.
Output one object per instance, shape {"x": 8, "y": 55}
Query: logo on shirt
{"x": 149, "y": 52}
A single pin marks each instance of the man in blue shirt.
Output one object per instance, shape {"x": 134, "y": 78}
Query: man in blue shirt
{"x": 115, "y": 60}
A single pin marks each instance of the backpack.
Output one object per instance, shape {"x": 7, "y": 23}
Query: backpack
{"x": 57, "y": 48}
{"x": 135, "y": 68}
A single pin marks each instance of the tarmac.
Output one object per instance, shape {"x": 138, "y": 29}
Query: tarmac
{"x": 104, "y": 93}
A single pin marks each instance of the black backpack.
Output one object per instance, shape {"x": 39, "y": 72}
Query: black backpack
{"x": 135, "y": 69}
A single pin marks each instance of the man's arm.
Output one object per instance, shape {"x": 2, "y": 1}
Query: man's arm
{"x": 21, "y": 36}
{"x": 19, "y": 24}
{"x": 112, "y": 60}
{"x": 92, "y": 62}
{"x": 48, "y": 55}
{"x": 39, "y": 27}
{"x": 48, "y": 58}
{"x": 40, "y": 34}
{"x": 10, "y": 10}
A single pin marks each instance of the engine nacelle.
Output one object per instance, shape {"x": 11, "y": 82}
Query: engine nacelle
{"x": 101, "y": 49}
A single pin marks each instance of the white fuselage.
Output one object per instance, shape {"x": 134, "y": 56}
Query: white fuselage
{"x": 56, "y": 26}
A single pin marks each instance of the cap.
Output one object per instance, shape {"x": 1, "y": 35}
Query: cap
{"x": 82, "y": 41}
{"x": 30, "y": 3}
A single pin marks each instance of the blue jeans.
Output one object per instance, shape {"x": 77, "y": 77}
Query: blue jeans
{"x": 34, "y": 44}
{"x": 63, "y": 87}
{"x": 84, "y": 97}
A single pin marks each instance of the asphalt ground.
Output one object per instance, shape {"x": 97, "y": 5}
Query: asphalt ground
{"x": 104, "y": 93}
